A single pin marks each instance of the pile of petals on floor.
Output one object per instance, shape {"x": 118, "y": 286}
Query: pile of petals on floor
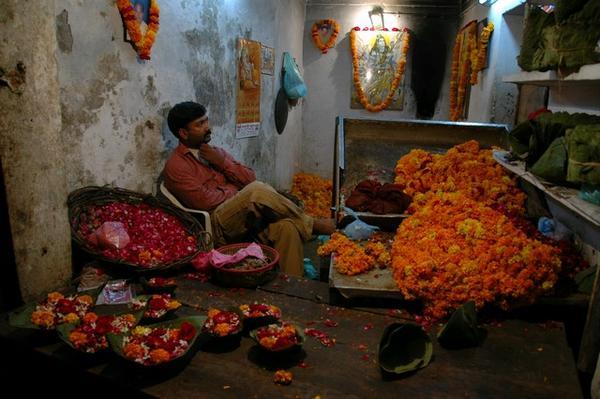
{"x": 315, "y": 192}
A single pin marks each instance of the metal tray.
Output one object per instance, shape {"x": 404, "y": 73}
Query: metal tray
{"x": 377, "y": 283}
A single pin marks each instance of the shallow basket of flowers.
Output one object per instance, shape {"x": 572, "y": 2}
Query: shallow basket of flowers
{"x": 158, "y": 285}
{"x": 158, "y": 346}
{"x": 133, "y": 233}
{"x": 256, "y": 315}
{"x": 223, "y": 328}
{"x": 250, "y": 272}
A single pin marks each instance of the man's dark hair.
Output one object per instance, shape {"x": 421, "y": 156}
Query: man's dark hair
{"x": 182, "y": 114}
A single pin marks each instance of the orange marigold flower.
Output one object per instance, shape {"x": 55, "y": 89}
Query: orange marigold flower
{"x": 53, "y": 297}
{"x": 90, "y": 317}
{"x": 78, "y": 338}
{"x": 159, "y": 356}
{"x": 86, "y": 299}
{"x": 133, "y": 351}
{"x": 71, "y": 318}
{"x": 42, "y": 318}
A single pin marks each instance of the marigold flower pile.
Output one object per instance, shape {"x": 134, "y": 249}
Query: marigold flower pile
{"x": 149, "y": 346}
{"x": 454, "y": 249}
{"x": 465, "y": 168}
{"x": 315, "y": 193}
{"x": 222, "y": 323}
{"x": 90, "y": 335}
{"x": 351, "y": 258}
{"x": 57, "y": 309}
{"x": 156, "y": 237}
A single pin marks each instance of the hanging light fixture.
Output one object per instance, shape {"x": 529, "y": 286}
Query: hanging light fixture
{"x": 376, "y": 17}
{"x": 487, "y": 2}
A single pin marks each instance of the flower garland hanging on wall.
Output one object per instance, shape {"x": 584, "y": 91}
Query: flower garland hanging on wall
{"x": 141, "y": 41}
{"x": 399, "y": 72}
{"x": 480, "y": 53}
{"x": 325, "y": 24}
{"x": 461, "y": 66}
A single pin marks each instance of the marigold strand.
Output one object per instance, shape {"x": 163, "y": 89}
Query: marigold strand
{"x": 142, "y": 43}
{"x": 324, "y": 47}
{"x": 460, "y": 72}
{"x": 395, "y": 82}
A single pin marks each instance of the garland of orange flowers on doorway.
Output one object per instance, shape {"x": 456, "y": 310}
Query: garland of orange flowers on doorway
{"x": 324, "y": 47}
{"x": 460, "y": 71}
{"x": 142, "y": 43}
{"x": 395, "y": 82}
{"x": 480, "y": 53}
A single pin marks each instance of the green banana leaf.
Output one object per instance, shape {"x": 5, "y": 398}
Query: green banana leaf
{"x": 116, "y": 340}
{"x": 404, "y": 347}
{"x": 552, "y": 165}
{"x": 461, "y": 330}
{"x": 585, "y": 279}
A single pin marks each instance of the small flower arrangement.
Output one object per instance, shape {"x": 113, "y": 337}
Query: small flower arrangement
{"x": 161, "y": 282}
{"x": 256, "y": 310}
{"x": 277, "y": 337}
{"x": 150, "y": 346}
{"x": 283, "y": 377}
{"x": 90, "y": 335}
{"x": 57, "y": 309}
{"x": 156, "y": 306}
{"x": 222, "y": 323}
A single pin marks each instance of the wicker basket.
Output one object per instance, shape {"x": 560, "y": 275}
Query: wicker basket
{"x": 247, "y": 278}
{"x": 82, "y": 198}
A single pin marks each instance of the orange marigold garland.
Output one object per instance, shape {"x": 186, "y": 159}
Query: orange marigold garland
{"x": 454, "y": 249}
{"x": 395, "y": 82}
{"x": 142, "y": 43}
{"x": 480, "y": 52}
{"x": 335, "y": 30}
{"x": 461, "y": 66}
{"x": 315, "y": 192}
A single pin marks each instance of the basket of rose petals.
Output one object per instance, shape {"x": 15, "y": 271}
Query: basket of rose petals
{"x": 135, "y": 232}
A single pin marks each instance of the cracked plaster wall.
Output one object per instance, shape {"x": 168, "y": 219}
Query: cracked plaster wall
{"x": 114, "y": 106}
{"x": 31, "y": 150}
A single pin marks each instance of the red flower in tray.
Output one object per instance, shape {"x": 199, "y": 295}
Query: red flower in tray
{"x": 155, "y": 236}
{"x": 255, "y": 310}
{"x": 90, "y": 336}
{"x": 150, "y": 346}
{"x": 278, "y": 337}
{"x": 221, "y": 323}
{"x": 156, "y": 306}
{"x": 57, "y": 309}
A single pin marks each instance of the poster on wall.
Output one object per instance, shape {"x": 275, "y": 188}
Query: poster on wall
{"x": 248, "y": 88}
{"x": 141, "y": 10}
{"x": 268, "y": 60}
{"x": 378, "y": 54}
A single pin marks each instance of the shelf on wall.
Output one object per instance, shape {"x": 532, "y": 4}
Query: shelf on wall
{"x": 580, "y": 216}
{"x": 587, "y": 74}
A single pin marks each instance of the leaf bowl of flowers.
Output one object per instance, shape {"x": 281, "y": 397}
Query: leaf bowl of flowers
{"x": 156, "y": 307}
{"x": 89, "y": 335}
{"x": 278, "y": 338}
{"x": 54, "y": 310}
{"x": 159, "y": 345}
{"x": 256, "y": 315}
{"x": 158, "y": 285}
{"x": 223, "y": 326}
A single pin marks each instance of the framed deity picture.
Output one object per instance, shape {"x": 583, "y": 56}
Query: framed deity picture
{"x": 268, "y": 60}
{"x": 141, "y": 8}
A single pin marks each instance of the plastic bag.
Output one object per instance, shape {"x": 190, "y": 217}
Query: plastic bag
{"x": 293, "y": 84}
{"x": 358, "y": 230}
{"x": 310, "y": 271}
{"x": 110, "y": 235}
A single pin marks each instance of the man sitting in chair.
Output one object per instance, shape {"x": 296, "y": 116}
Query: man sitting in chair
{"x": 205, "y": 177}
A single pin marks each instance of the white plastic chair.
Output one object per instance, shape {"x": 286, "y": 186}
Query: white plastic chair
{"x": 175, "y": 201}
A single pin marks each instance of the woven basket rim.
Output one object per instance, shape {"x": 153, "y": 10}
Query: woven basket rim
{"x": 271, "y": 253}
{"x": 79, "y": 199}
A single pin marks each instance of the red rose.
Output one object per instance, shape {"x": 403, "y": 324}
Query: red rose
{"x": 65, "y": 306}
{"x": 187, "y": 331}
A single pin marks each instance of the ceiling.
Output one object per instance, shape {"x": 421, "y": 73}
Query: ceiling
{"x": 443, "y": 7}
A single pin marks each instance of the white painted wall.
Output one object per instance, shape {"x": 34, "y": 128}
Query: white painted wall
{"x": 329, "y": 81}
